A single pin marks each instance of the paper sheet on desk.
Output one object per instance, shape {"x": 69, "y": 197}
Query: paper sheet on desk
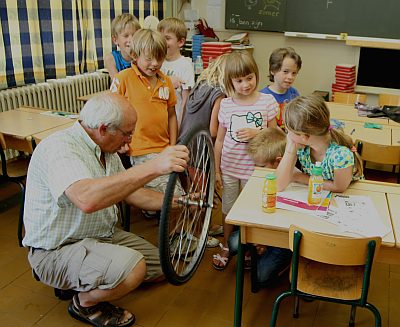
{"x": 294, "y": 198}
{"x": 356, "y": 214}
{"x": 60, "y": 114}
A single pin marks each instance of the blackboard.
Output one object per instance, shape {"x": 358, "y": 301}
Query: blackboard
{"x": 366, "y": 18}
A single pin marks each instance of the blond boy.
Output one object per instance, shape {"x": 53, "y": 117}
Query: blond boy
{"x": 266, "y": 149}
{"x": 123, "y": 27}
{"x": 152, "y": 95}
{"x": 176, "y": 66}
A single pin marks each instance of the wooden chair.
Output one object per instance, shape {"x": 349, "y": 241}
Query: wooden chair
{"x": 381, "y": 154}
{"x": 15, "y": 170}
{"x": 330, "y": 268}
{"x": 349, "y": 98}
{"x": 389, "y": 100}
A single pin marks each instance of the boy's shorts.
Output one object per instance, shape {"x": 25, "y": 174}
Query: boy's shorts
{"x": 232, "y": 188}
{"x": 94, "y": 263}
{"x": 158, "y": 184}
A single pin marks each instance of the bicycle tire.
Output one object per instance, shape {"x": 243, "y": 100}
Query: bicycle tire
{"x": 183, "y": 236}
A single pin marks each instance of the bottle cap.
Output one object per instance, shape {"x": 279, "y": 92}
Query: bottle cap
{"x": 270, "y": 176}
{"x": 317, "y": 169}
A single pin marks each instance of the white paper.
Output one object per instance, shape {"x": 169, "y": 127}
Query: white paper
{"x": 356, "y": 214}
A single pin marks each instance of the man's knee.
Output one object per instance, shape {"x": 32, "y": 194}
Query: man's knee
{"x": 137, "y": 275}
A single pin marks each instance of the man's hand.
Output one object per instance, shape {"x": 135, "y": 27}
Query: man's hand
{"x": 172, "y": 159}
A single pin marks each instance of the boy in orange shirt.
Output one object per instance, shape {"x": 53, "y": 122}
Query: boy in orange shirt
{"x": 152, "y": 95}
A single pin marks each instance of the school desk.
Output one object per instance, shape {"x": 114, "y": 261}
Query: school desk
{"x": 395, "y": 136}
{"x": 38, "y": 137}
{"x": 85, "y": 98}
{"x": 357, "y": 130}
{"x": 272, "y": 229}
{"x": 24, "y": 122}
{"x": 342, "y": 111}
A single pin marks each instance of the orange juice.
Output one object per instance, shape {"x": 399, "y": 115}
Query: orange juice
{"x": 315, "y": 184}
{"x": 269, "y": 194}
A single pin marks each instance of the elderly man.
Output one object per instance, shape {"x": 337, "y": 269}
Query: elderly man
{"x": 75, "y": 178}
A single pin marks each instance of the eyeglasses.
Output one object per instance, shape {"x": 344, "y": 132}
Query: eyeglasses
{"x": 125, "y": 134}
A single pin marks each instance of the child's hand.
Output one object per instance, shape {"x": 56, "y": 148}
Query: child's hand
{"x": 291, "y": 146}
{"x": 246, "y": 134}
{"x": 176, "y": 81}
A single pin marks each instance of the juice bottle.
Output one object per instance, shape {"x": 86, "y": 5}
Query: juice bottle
{"x": 269, "y": 194}
{"x": 315, "y": 184}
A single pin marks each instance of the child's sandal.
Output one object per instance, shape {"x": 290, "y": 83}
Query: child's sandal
{"x": 219, "y": 261}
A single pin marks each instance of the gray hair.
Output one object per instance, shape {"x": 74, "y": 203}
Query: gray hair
{"x": 102, "y": 109}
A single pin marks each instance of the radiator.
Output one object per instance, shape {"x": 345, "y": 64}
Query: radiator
{"x": 56, "y": 94}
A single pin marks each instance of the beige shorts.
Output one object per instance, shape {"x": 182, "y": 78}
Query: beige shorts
{"x": 232, "y": 188}
{"x": 158, "y": 184}
{"x": 95, "y": 264}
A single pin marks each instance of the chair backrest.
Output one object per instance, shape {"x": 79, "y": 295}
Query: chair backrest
{"x": 335, "y": 250}
{"x": 378, "y": 153}
{"x": 349, "y": 98}
{"x": 389, "y": 100}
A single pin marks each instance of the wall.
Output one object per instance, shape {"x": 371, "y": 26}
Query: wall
{"x": 319, "y": 56}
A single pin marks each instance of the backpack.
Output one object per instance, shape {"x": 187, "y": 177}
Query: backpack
{"x": 205, "y": 30}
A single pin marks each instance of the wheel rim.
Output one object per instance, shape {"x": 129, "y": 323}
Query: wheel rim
{"x": 183, "y": 232}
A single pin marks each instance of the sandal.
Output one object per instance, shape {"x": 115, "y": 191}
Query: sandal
{"x": 222, "y": 261}
{"x": 219, "y": 230}
{"x": 212, "y": 242}
{"x": 100, "y": 315}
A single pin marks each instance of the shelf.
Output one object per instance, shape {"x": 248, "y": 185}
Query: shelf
{"x": 373, "y": 42}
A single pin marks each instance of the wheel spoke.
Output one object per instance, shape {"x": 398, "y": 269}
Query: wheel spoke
{"x": 183, "y": 230}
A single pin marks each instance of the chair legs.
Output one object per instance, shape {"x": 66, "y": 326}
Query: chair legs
{"x": 275, "y": 310}
{"x": 352, "y": 316}
{"x": 296, "y": 307}
{"x": 375, "y": 311}
{"x": 21, "y": 213}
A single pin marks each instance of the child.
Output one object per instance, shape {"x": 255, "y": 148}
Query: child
{"x": 202, "y": 106}
{"x": 176, "y": 66}
{"x": 284, "y": 65}
{"x": 241, "y": 117}
{"x": 123, "y": 27}
{"x": 152, "y": 95}
{"x": 266, "y": 149}
{"x": 311, "y": 138}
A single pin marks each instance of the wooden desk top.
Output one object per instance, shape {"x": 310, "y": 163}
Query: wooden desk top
{"x": 357, "y": 131}
{"x": 26, "y": 122}
{"x": 395, "y": 136}
{"x": 85, "y": 98}
{"x": 247, "y": 210}
{"x": 38, "y": 137}
{"x": 342, "y": 111}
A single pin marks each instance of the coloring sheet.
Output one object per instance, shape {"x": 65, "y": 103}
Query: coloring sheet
{"x": 356, "y": 214}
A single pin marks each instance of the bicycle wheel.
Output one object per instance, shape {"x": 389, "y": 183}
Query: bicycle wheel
{"x": 185, "y": 219}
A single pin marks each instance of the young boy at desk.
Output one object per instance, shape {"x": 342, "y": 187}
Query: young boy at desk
{"x": 176, "y": 66}
{"x": 266, "y": 149}
{"x": 123, "y": 27}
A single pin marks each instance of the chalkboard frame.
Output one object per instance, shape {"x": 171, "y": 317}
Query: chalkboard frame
{"x": 376, "y": 19}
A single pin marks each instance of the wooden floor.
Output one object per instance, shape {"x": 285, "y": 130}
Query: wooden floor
{"x": 207, "y": 300}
